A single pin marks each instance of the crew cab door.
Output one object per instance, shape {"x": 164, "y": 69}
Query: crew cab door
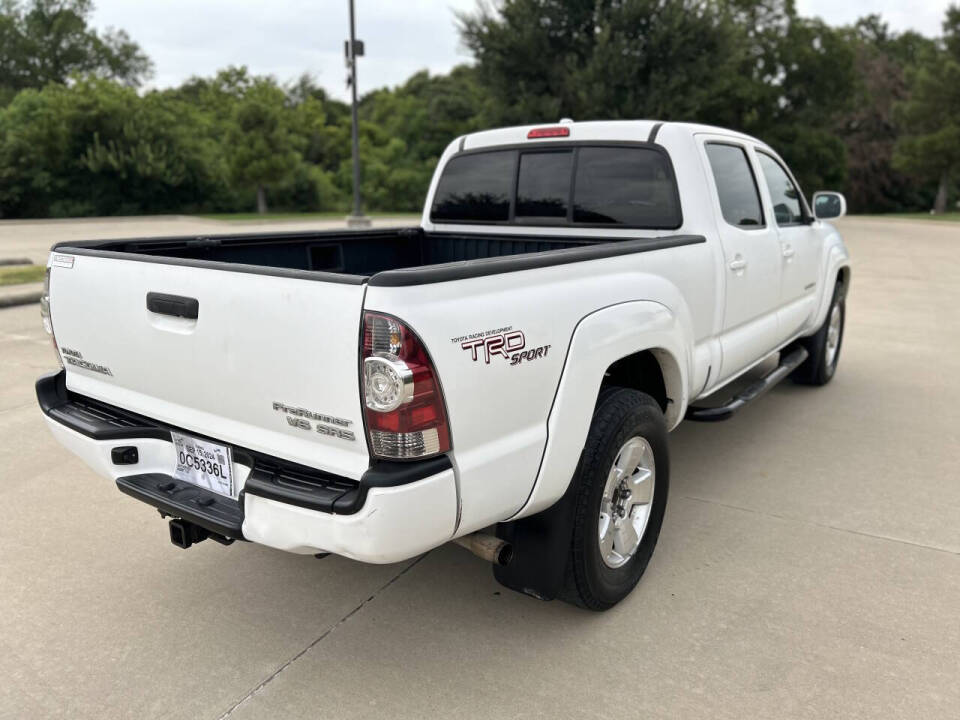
{"x": 799, "y": 244}
{"x": 752, "y": 256}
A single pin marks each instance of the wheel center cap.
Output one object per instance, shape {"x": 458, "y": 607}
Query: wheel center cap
{"x": 621, "y": 500}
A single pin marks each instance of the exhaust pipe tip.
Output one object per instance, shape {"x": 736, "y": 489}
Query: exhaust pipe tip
{"x": 487, "y": 547}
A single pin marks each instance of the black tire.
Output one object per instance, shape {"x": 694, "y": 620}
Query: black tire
{"x": 620, "y": 415}
{"x": 816, "y": 369}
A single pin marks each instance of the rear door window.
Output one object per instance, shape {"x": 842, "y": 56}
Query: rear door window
{"x": 475, "y": 188}
{"x": 625, "y": 186}
{"x": 736, "y": 186}
{"x": 543, "y": 186}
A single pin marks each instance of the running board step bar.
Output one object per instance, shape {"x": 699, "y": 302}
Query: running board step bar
{"x": 788, "y": 363}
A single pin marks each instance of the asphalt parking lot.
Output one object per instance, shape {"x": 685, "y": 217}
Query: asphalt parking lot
{"x": 808, "y": 567}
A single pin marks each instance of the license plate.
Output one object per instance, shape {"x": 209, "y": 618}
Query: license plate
{"x": 204, "y": 464}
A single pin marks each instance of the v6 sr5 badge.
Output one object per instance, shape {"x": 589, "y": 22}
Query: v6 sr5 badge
{"x": 505, "y": 343}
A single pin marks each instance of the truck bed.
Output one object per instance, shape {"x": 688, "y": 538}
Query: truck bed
{"x": 395, "y": 256}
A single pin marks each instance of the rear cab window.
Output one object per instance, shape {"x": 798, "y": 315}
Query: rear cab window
{"x": 543, "y": 186}
{"x": 476, "y": 188}
{"x": 625, "y": 185}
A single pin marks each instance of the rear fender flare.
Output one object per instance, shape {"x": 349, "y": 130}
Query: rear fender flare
{"x": 599, "y": 340}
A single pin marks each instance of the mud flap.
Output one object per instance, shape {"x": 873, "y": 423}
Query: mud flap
{"x": 541, "y": 546}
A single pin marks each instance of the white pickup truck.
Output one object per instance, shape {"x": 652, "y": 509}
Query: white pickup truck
{"x": 504, "y": 375}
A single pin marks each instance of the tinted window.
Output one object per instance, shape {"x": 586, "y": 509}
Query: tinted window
{"x": 543, "y": 185}
{"x": 475, "y": 188}
{"x": 736, "y": 187}
{"x": 613, "y": 186}
{"x": 783, "y": 193}
{"x": 625, "y": 186}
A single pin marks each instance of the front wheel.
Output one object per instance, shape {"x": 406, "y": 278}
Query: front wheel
{"x": 621, "y": 494}
{"x": 824, "y": 345}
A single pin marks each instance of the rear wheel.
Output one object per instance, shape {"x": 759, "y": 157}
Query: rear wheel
{"x": 824, "y": 345}
{"x": 621, "y": 494}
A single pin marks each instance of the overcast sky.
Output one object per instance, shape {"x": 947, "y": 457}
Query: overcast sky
{"x": 286, "y": 38}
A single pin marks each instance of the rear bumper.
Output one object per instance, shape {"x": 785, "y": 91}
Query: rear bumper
{"x": 395, "y": 511}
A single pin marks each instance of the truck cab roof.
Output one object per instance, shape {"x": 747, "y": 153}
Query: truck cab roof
{"x": 592, "y": 130}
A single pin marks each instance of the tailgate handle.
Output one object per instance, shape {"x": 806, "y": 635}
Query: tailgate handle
{"x": 175, "y": 305}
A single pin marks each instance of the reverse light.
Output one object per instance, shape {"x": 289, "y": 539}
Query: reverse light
{"x": 548, "y": 132}
{"x": 406, "y": 417}
{"x": 388, "y": 383}
{"x": 45, "y": 314}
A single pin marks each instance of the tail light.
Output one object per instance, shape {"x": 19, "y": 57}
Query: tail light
{"x": 45, "y": 314}
{"x": 406, "y": 417}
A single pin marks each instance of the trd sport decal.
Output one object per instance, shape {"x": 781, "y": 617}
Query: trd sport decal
{"x": 506, "y": 343}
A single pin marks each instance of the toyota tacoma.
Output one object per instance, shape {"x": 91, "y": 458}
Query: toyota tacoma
{"x": 504, "y": 375}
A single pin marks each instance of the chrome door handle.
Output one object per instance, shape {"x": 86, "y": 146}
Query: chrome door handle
{"x": 788, "y": 251}
{"x": 738, "y": 264}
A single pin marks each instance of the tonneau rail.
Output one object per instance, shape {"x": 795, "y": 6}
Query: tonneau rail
{"x": 462, "y": 270}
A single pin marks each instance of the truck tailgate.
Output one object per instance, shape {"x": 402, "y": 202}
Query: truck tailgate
{"x": 270, "y": 363}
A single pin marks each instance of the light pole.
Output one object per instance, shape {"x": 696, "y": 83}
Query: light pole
{"x": 355, "y": 49}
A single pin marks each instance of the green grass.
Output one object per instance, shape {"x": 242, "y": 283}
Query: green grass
{"x": 945, "y": 217}
{"x": 246, "y": 217}
{"x": 19, "y": 274}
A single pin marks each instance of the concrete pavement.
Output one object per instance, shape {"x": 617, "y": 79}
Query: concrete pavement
{"x": 808, "y": 567}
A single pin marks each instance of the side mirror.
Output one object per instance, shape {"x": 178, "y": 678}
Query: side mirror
{"x": 829, "y": 205}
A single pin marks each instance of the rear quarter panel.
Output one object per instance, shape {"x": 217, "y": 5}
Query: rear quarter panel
{"x": 499, "y": 409}
{"x": 499, "y": 413}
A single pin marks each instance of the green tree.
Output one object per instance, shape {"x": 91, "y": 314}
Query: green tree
{"x": 44, "y": 41}
{"x": 324, "y": 126}
{"x": 392, "y": 179}
{"x": 860, "y": 108}
{"x": 809, "y": 81}
{"x": 677, "y": 61}
{"x": 868, "y": 128}
{"x": 427, "y": 112}
{"x": 753, "y": 65}
{"x": 298, "y": 116}
{"x": 929, "y": 121}
{"x": 263, "y": 147}
{"x": 404, "y": 130}
{"x": 543, "y": 59}
{"x": 323, "y": 145}
{"x": 529, "y": 53}
{"x": 98, "y": 148}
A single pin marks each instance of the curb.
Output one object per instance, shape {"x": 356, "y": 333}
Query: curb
{"x": 25, "y": 297}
